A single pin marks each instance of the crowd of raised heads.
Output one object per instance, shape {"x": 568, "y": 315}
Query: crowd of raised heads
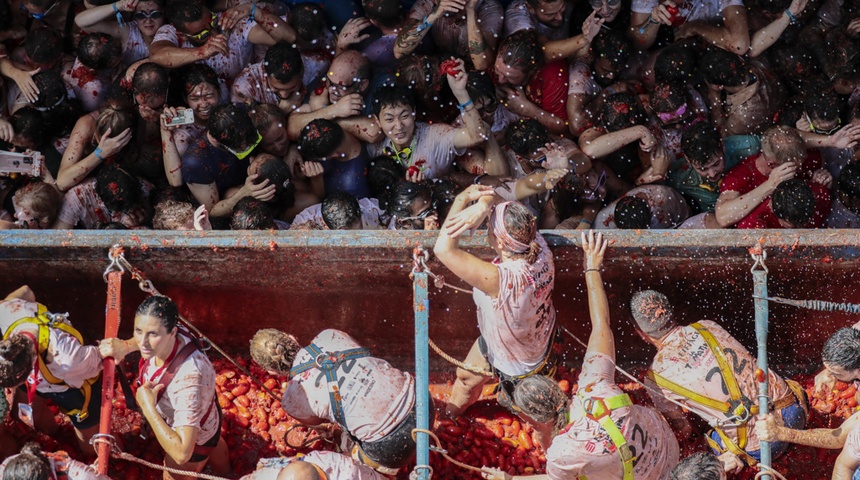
{"x": 374, "y": 114}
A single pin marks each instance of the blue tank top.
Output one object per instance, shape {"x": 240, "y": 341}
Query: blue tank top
{"x": 348, "y": 176}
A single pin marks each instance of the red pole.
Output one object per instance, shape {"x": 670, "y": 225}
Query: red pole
{"x": 112, "y": 311}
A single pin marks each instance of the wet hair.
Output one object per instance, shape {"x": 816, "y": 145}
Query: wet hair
{"x": 783, "y": 144}
{"x": 701, "y": 143}
{"x": 186, "y": 11}
{"x": 115, "y": 120}
{"x": 521, "y": 225}
{"x": 99, "y": 51}
{"x": 43, "y": 45}
{"x": 44, "y": 201}
{"x": 388, "y": 13}
{"x": 151, "y": 78}
{"x": 5, "y": 24}
{"x": 119, "y": 190}
{"x": 252, "y": 214}
{"x": 119, "y": 95}
{"x": 565, "y": 196}
{"x": 198, "y": 74}
{"x": 480, "y": 87}
{"x": 613, "y": 46}
{"x": 265, "y": 115}
{"x": 793, "y": 202}
{"x": 320, "y": 138}
{"x": 403, "y": 195}
{"x": 422, "y": 75}
{"x": 620, "y": 111}
{"x": 793, "y": 62}
{"x": 444, "y": 193}
{"x": 231, "y": 126}
{"x": 277, "y": 172}
{"x": 849, "y": 181}
{"x": 16, "y": 360}
{"x": 308, "y": 21}
{"x": 52, "y": 89}
{"x": 526, "y": 137}
{"x": 30, "y": 124}
{"x": 652, "y": 313}
{"x": 274, "y": 350}
{"x": 30, "y": 464}
{"x": 391, "y": 96}
{"x": 823, "y": 105}
{"x": 632, "y": 212}
{"x": 172, "y": 215}
{"x": 340, "y": 211}
{"x": 843, "y": 349}
{"x": 676, "y": 63}
{"x": 698, "y": 466}
{"x": 383, "y": 173}
{"x": 111, "y": 226}
{"x": 720, "y": 67}
{"x": 283, "y": 62}
{"x": 363, "y": 68}
{"x": 542, "y": 399}
{"x": 161, "y": 308}
{"x": 667, "y": 97}
{"x": 521, "y": 50}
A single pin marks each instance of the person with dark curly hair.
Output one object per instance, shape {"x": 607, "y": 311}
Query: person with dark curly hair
{"x": 277, "y": 80}
{"x": 653, "y": 207}
{"x": 90, "y": 75}
{"x": 114, "y": 195}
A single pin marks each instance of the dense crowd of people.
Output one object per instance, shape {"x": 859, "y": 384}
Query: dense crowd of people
{"x": 374, "y": 115}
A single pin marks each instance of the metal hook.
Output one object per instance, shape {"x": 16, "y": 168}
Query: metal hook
{"x": 759, "y": 261}
{"x": 116, "y": 257}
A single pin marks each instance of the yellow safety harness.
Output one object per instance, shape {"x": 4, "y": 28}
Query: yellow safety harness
{"x": 738, "y": 408}
{"x": 598, "y": 409}
{"x": 46, "y": 321}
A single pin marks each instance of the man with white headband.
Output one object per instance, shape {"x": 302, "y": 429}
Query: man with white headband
{"x": 513, "y": 293}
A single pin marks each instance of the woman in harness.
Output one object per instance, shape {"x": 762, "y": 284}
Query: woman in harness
{"x": 176, "y": 392}
{"x": 34, "y": 464}
{"x": 604, "y": 436}
{"x": 45, "y": 356}
{"x": 335, "y": 380}
{"x": 513, "y": 295}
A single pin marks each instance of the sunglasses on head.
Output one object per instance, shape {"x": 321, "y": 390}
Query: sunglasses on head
{"x": 241, "y": 155}
{"x": 155, "y": 15}
{"x": 204, "y": 34}
{"x": 39, "y": 16}
{"x": 591, "y": 194}
{"x": 813, "y": 129}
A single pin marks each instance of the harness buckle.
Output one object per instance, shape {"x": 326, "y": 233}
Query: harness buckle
{"x": 591, "y": 405}
{"x": 54, "y": 318}
{"x": 740, "y": 413}
{"x": 325, "y": 360}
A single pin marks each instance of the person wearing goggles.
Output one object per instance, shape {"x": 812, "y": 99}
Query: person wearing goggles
{"x": 133, "y": 22}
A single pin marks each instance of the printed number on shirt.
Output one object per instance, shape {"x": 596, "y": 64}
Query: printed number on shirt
{"x": 639, "y": 432}
{"x": 345, "y": 367}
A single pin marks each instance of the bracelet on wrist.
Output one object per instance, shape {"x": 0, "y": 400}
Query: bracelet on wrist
{"x": 592, "y": 270}
{"x": 792, "y": 19}
{"x": 477, "y": 180}
{"x": 118, "y": 13}
{"x": 463, "y": 106}
{"x": 586, "y": 221}
{"x": 98, "y": 153}
{"x": 253, "y": 13}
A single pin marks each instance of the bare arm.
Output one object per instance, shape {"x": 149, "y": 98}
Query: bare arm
{"x": 603, "y": 145}
{"x": 601, "y": 339}
{"x": 102, "y": 19}
{"x": 732, "y": 207}
{"x": 845, "y": 466}
{"x": 732, "y": 36}
{"x": 347, "y": 106}
{"x": 538, "y": 182}
{"x": 556, "y": 49}
{"x": 363, "y": 128}
{"x": 480, "y": 52}
{"x": 24, "y": 292}
{"x": 767, "y": 36}
{"x": 474, "y": 132}
{"x": 170, "y": 152}
{"x": 179, "y": 443}
{"x": 832, "y": 438}
{"x": 168, "y": 55}
{"x": 642, "y": 30}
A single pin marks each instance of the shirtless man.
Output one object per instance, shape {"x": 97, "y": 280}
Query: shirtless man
{"x": 703, "y": 367}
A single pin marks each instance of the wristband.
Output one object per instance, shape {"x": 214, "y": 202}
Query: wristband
{"x": 253, "y": 13}
{"x": 592, "y": 270}
{"x": 611, "y": 91}
{"x": 586, "y": 221}
{"x": 119, "y": 19}
{"x": 791, "y": 18}
{"x": 98, "y": 153}
{"x": 423, "y": 25}
{"x": 463, "y": 106}
{"x": 477, "y": 180}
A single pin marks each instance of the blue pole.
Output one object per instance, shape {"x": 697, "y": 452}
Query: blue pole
{"x": 761, "y": 327}
{"x": 422, "y": 371}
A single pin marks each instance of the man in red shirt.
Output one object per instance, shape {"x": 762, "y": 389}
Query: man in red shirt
{"x": 530, "y": 88}
{"x": 794, "y": 204}
{"x": 751, "y": 182}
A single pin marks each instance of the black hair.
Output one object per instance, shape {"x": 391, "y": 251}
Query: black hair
{"x": 186, "y": 11}
{"x": 526, "y": 137}
{"x": 620, "y": 111}
{"x": 632, "y": 212}
{"x": 382, "y": 174}
{"x": 521, "y": 50}
{"x": 119, "y": 190}
{"x": 701, "y": 143}
{"x": 277, "y": 172}
{"x": 30, "y": 464}
{"x": 150, "y": 78}
{"x": 698, "y": 466}
{"x": 565, "y": 196}
{"x": 403, "y": 195}
{"x": 843, "y": 349}
{"x": 421, "y": 74}
{"x": 5, "y": 18}
{"x": 444, "y": 193}
{"x": 119, "y": 95}
{"x": 308, "y": 21}
{"x": 480, "y": 87}
{"x": 388, "y": 13}
{"x": 391, "y": 96}
{"x": 340, "y": 211}
{"x": 613, "y": 46}
{"x": 542, "y": 399}
{"x": 265, "y": 114}
{"x": 668, "y": 97}
{"x": 794, "y": 202}
{"x": 162, "y": 308}
{"x": 52, "y": 89}
{"x": 43, "y": 45}
{"x": 283, "y": 62}
{"x": 99, "y": 51}
{"x": 252, "y": 214}
{"x": 16, "y": 360}
{"x": 794, "y": 63}
{"x": 231, "y": 126}
{"x": 823, "y": 105}
{"x": 675, "y": 63}
{"x": 849, "y": 181}
{"x": 197, "y": 74}
{"x": 720, "y": 67}
{"x": 320, "y": 138}
{"x": 30, "y": 124}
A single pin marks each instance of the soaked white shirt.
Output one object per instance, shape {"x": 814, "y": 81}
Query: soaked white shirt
{"x": 336, "y": 466}
{"x": 668, "y": 208}
{"x": 705, "y": 10}
{"x": 376, "y": 396}
{"x": 370, "y": 214}
{"x": 519, "y": 323}
{"x": 433, "y": 149}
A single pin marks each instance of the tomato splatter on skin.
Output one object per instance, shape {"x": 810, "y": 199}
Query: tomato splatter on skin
{"x": 84, "y": 75}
